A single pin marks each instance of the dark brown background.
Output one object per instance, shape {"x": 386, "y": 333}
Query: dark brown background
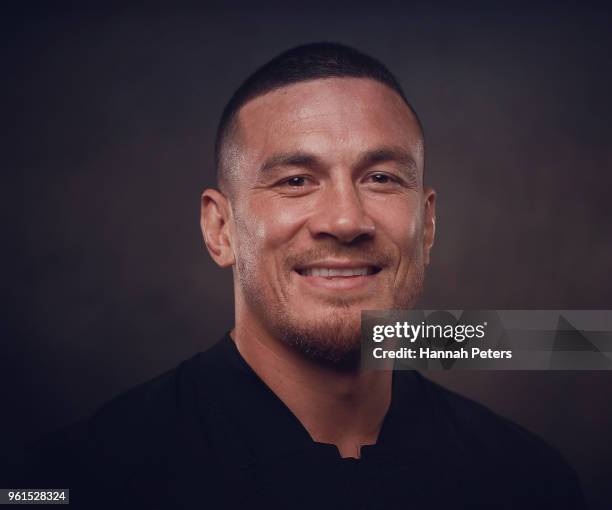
{"x": 109, "y": 122}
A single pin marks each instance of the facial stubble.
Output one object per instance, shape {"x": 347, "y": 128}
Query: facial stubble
{"x": 334, "y": 335}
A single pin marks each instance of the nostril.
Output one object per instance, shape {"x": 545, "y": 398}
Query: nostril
{"x": 363, "y": 236}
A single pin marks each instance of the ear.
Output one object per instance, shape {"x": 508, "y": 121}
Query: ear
{"x": 216, "y": 225}
{"x": 429, "y": 222}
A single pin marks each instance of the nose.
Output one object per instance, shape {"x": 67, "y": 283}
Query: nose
{"x": 340, "y": 214}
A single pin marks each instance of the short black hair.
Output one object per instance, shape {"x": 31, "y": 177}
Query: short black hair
{"x": 302, "y": 63}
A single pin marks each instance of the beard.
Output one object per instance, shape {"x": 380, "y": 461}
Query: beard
{"x": 334, "y": 336}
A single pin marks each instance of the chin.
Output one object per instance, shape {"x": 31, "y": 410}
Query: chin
{"x": 332, "y": 337}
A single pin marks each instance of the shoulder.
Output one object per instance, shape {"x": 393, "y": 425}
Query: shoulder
{"x": 126, "y": 435}
{"x": 506, "y": 450}
{"x": 480, "y": 427}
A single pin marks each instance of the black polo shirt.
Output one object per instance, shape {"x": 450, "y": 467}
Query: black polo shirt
{"x": 211, "y": 434}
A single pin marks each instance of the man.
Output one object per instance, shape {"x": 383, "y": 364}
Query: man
{"x": 321, "y": 212}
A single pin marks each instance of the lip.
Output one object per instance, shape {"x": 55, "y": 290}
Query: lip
{"x": 338, "y": 283}
{"x": 337, "y": 264}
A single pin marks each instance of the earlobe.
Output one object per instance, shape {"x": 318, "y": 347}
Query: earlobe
{"x": 429, "y": 219}
{"x": 216, "y": 225}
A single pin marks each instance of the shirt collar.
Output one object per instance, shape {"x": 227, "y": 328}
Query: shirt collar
{"x": 271, "y": 431}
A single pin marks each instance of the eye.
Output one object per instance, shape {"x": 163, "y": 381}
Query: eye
{"x": 296, "y": 181}
{"x": 295, "y": 185}
{"x": 381, "y": 178}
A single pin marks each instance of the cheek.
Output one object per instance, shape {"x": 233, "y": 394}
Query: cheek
{"x": 274, "y": 223}
{"x": 266, "y": 227}
{"x": 412, "y": 235}
{"x": 401, "y": 224}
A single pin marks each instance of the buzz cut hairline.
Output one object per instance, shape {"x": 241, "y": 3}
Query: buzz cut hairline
{"x": 300, "y": 64}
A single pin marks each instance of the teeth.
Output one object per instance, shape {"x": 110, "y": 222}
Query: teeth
{"x": 329, "y": 272}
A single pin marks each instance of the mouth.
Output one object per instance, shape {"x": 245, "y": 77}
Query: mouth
{"x": 338, "y": 272}
{"x": 335, "y": 276}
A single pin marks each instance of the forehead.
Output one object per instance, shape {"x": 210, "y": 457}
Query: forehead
{"x": 334, "y": 118}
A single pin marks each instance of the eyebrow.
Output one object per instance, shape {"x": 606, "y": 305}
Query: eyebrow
{"x": 380, "y": 155}
{"x": 290, "y": 159}
{"x": 393, "y": 154}
{"x": 388, "y": 154}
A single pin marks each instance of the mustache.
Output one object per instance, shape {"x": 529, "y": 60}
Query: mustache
{"x": 372, "y": 255}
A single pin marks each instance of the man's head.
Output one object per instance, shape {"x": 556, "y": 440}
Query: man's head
{"x": 323, "y": 212}
{"x": 304, "y": 63}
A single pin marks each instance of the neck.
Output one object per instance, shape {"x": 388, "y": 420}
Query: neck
{"x": 341, "y": 407}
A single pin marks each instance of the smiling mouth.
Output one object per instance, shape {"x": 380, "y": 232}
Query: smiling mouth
{"x": 334, "y": 272}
